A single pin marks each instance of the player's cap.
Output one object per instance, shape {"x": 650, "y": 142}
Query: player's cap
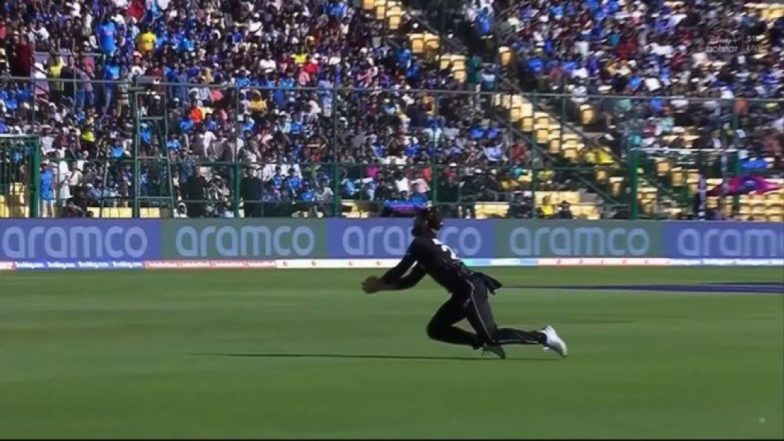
{"x": 432, "y": 216}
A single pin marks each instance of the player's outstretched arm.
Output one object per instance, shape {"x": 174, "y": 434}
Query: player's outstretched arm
{"x": 375, "y": 284}
{"x": 393, "y": 279}
{"x": 409, "y": 280}
{"x": 396, "y": 273}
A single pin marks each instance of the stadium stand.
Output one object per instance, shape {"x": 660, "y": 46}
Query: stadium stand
{"x": 652, "y": 75}
{"x": 288, "y": 89}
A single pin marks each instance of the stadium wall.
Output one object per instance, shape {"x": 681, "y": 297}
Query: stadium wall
{"x": 72, "y": 244}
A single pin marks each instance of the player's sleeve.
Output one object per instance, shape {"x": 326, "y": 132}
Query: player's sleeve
{"x": 411, "y": 279}
{"x": 395, "y": 274}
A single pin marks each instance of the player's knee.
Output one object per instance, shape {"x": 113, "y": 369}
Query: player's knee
{"x": 433, "y": 330}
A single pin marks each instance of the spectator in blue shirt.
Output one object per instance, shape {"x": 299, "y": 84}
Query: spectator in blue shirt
{"x": 47, "y": 189}
{"x": 417, "y": 197}
{"x": 483, "y": 22}
{"x": 307, "y": 194}
{"x": 173, "y": 144}
{"x": 107, "y": 33}
{"x": 293, "y": 182}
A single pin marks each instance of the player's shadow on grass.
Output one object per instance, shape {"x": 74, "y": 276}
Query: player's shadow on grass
{"x": 369, "y": 357}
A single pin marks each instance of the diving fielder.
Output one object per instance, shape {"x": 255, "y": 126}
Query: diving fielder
{"x": 469, "y": 294}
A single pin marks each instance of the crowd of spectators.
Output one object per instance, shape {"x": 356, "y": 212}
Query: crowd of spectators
{"x": 696, "y": 52}
{"x": 289, "y": 89}
{"x": 278, "y": 86}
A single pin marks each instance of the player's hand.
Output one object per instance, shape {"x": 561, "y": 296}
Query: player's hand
{"x": 372, "y": 284}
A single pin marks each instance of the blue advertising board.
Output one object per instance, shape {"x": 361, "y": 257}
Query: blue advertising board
{"x": 79, "y": 243}
{"x": 107, "y": 244}
{"x": 389, "y": 238}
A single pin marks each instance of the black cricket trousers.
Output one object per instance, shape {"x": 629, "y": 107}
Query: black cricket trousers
{"x": 473, "y": 304}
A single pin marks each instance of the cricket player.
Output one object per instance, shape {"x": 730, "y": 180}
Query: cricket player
{"x": 469, "y": 292}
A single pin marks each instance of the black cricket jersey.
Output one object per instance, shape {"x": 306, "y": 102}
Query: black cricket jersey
{"x": 433, "y": 258}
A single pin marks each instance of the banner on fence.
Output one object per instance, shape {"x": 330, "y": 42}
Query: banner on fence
{"x": 579, "y": 239}
{"x": 79, "y": 240}
{"x": 721, "y": 240}
{"x": 262, "y": 243}
{"x": 244, "y": 239}
{"x": 383, "y": 238}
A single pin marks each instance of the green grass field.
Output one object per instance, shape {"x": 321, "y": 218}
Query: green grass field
{"x": 290, "y": 354}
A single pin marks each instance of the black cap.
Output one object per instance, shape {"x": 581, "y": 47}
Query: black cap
{"x": 432, "y": 216}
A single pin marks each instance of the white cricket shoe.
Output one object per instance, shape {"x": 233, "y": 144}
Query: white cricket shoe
{"x": 553, "y": 341}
